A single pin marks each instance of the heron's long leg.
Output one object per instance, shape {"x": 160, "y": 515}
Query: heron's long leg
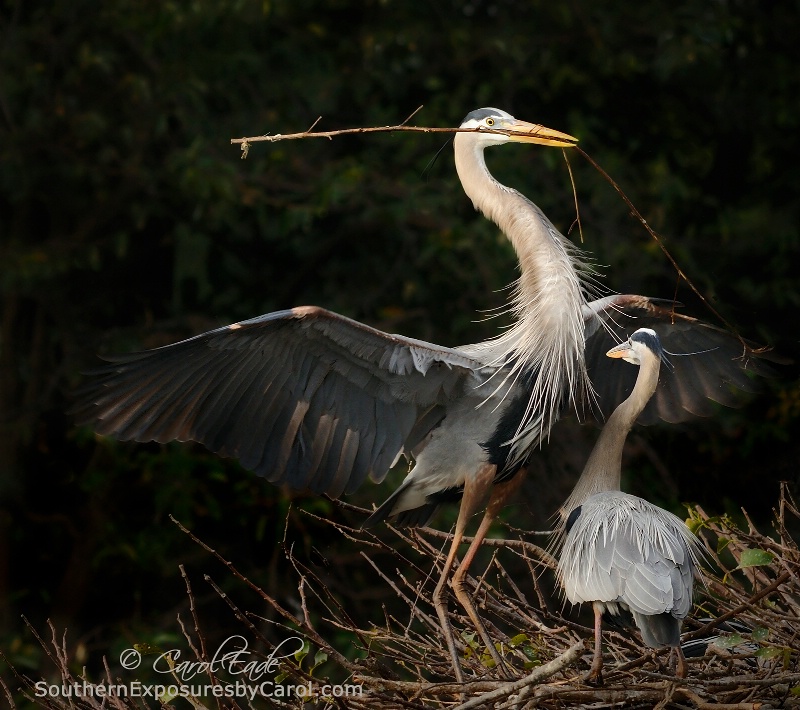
{"x": 501, "y": 493}
{"x": 596, "y": 671}
{"x": 474, "y": 491}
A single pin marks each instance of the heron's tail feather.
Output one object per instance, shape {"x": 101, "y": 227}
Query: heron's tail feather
{"x": 410, "y": 507}
{"x": 659, "y": 630}
{"x": 386, "y": 509}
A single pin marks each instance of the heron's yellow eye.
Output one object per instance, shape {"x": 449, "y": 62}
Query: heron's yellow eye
{"x": 489, "y": 121}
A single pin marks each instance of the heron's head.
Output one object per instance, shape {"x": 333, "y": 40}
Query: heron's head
{"x": 643, "y": 344}
{"x": 492, "y": 124}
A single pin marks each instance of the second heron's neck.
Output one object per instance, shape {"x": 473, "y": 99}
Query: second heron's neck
{"x": 603, "y": 470}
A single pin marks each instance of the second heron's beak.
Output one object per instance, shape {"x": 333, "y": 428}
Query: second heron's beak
{"x": 524, "y": 132}
{"x": 622, "y": 350}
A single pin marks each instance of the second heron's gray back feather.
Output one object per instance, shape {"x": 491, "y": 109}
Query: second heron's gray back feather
{"x": 622, "y": 549}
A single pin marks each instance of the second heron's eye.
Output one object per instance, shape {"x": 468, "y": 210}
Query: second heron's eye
{"x": 489, "y": 121}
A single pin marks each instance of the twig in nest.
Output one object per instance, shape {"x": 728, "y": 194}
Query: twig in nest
{"x": 540, "y": 674}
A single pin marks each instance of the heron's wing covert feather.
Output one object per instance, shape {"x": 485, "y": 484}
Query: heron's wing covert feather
{"x": 705, "y": 364}
{"x": 304, "y": 397}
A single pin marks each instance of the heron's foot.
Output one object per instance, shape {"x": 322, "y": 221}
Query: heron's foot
{"x": 450, "y": 639}
{"x": 594, "y": 677}
{"x": 595, "y": 674}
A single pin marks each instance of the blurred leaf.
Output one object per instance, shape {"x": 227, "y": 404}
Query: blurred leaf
{"x": 319, "y": 658}
{"x": 300, "y": 655}
{"x": 755, "y": 558}
{"x": 729, "y": 642}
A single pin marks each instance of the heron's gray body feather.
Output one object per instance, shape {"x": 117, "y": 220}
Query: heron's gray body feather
{"x": 623, "y": 551}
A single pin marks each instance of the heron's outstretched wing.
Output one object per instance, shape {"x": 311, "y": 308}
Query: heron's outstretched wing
{"x": 304, "y": 397}
{"x": 621, "y": 548}
{"x": 705, "y": 364}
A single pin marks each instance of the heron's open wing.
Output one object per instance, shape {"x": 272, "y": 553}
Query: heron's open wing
{"x": 705, "y": 364}
{"x": 304, "y": 397}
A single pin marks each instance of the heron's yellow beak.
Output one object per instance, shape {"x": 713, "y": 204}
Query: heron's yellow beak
{"x": 620, "y": 351}
{"x": 524, "y": 132}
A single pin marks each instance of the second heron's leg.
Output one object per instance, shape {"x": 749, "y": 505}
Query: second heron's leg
{"x": 500, "y": 495}
{"x": 596, "y": 671}
{"x": 469, "y": 502}
{"x": 681, "y": 669}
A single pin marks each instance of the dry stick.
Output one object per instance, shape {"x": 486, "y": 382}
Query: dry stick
{"x": 719, "y": 683}
{"x": 704, "y": 705}
{"x": 201, "y": 654}
{"x": 245, "y": 142}
{"x": 537, "y": 676}
{"x": 739, "y": 609}
{"x": 296, "y": 671}
{"x": 400, "y": 593}
{"x": 523, "y": 545}
{"x": 680, "y": 272}
{"x": 6, "y": 689}
{"x": 313, "y": 635}
{"x": 575, "y": 195}
{"x": 333, "y": 606}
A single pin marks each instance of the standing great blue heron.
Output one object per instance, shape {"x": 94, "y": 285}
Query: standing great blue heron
{"x": 316, "y": 401}
{"x": 620, "y": 552}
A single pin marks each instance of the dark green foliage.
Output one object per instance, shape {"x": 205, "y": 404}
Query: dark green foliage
{"x": 127, "y": 220}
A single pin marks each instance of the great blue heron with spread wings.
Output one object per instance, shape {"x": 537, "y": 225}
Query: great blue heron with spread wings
{"x": 626, "y": 556}
{"x": 316, "y": 401}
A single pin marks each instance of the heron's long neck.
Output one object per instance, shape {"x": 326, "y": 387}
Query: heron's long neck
{"x": 603, "y": 470}
{"x": 548, "y": 337}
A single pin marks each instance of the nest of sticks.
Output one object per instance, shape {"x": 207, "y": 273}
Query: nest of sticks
{"x": 742, "y": 639}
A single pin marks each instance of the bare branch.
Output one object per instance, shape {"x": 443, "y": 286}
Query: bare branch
{"x": 275, "y": 137}
{"x": 540, "y": 674}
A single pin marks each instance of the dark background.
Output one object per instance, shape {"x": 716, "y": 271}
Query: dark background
{"x": 127, "y": 220}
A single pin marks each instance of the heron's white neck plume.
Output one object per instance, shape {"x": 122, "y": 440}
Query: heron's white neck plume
{"x": 603, "y": 470}
{"x": 547, "y": 339}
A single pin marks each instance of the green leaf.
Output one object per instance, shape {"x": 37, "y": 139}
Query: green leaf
{"x": 760, "y": 633}
{"x": 469, "y": 639}
{"x": 319, "y": 658}
{"x": 694, "y": 524}
{"x": 728, "y": 641}
{"x": 517, "y": 640}
{"x": 722, "y": 543}
{"x": 755, "y": 558}
{"x": 147, "y": 648}
{"x": 487, "y": 660}
{"x": 769, "y": 652}
{"x": 302, "y": 653}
